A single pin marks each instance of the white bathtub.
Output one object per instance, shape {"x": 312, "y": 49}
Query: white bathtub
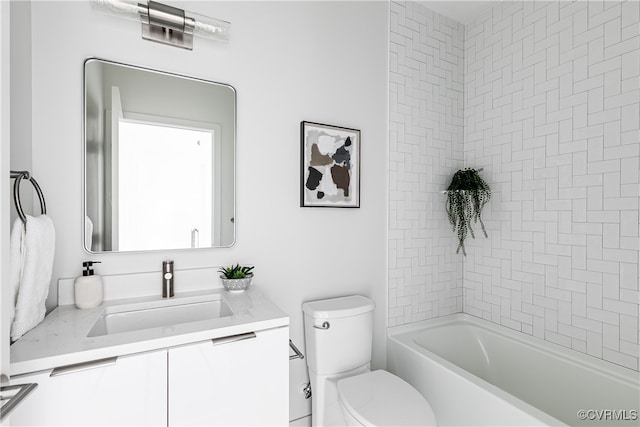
{"x": 474, "y": 372}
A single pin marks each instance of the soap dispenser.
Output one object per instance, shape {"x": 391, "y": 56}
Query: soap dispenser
{"x": 88, "y": 287}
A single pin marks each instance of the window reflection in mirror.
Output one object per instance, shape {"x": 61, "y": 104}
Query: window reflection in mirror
{"x": 159, "y": 160}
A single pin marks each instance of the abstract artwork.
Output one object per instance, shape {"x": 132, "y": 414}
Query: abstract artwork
{"x": 330, "y": 166}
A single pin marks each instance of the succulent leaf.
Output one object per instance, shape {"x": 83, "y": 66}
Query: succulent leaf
{"x": 236, "y": 271}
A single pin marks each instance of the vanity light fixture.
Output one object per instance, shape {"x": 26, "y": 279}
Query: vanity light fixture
{"x": 167, "y": 24}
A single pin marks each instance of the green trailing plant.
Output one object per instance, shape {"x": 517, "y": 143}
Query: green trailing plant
{"x": 237, "y": 271}
{"x": 466, "y": 196}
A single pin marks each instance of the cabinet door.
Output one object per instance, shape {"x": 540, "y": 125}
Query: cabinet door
{"x": 131, "y": 391}
{"x": 238, "y": 382}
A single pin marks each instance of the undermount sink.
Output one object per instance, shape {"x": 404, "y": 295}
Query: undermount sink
{"x": 135, "y": 317}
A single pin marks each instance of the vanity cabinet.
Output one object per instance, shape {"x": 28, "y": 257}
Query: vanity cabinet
{"x": 238, "y": 380}
{"x": 131, "y": 391}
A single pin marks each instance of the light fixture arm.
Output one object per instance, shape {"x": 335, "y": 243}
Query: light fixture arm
{"x": 167, "y": 24}
{"x": 165, "y": 16}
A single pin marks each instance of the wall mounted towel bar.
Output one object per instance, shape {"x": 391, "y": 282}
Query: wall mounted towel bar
{"x": 19, "y": 176}
{"x": 298, "y": 354}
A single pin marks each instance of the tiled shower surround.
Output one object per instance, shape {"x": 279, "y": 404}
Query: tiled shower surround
{"x": 426, "y": 134}
{"x": 552, "y": 114}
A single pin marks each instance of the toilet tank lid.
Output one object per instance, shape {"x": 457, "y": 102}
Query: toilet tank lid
{"x": 338, "y": 307}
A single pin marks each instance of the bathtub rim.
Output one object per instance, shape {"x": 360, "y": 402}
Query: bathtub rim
{"x": 621, "y": 373}
{"x": 403, "y": 335}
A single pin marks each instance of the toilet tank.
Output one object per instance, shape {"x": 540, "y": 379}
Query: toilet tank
{"x": 344, "y": 343}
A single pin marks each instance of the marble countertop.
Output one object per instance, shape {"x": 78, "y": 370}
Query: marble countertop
{"x": 61, "y": 339}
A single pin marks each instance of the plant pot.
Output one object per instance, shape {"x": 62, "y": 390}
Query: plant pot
{"x": 236, "y": 285}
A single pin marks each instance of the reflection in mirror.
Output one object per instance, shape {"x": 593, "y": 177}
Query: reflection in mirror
{"x": 159, "y": 160}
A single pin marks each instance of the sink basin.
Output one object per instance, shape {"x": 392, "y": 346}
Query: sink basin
{"x": 135, "y": 317}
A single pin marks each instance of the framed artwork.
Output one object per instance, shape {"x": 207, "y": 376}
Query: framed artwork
{"x": 329, "y": 166}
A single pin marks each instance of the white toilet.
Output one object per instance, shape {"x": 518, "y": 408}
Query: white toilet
{"x": 338, "y": 337}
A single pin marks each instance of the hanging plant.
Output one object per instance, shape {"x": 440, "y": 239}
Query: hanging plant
{"x": 466, "y": 196}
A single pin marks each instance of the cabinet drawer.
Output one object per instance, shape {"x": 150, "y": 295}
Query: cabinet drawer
{"x": 129, "y": 391}
{"x": 240, "y": 382}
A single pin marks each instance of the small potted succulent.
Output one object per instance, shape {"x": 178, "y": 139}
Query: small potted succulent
{"x": 236, "y": 278}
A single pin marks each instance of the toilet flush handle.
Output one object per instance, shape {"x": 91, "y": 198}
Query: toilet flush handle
{"x": 325, "y": 325}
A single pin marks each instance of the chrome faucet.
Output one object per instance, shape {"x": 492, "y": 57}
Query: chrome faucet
{"x": 167, "y": 279}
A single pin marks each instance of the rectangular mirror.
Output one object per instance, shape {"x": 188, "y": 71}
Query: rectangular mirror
{"x": 159, "y": 160}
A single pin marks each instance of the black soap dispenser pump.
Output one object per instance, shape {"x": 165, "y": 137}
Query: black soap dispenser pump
{"x": 88, "y": 287}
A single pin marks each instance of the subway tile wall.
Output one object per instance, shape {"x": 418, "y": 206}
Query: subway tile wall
{"x": 552, "y": 113}
{"x": 426, "y": 136}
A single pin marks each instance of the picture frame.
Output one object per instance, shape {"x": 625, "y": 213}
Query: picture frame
{"x": 329, "y": 166}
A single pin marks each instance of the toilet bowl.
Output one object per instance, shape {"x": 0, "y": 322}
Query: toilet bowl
{"x": 338, "y": 338}
{"x": 379, "y": 398}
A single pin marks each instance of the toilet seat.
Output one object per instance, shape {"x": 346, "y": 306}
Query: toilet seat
{"x": 380, "y": 398}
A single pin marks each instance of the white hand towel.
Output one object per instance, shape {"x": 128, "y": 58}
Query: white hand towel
{"x": 39, "y": 250}
{"x": 16, "y": 261}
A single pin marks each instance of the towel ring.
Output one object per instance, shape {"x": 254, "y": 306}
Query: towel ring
{"x": 18, "y": 176}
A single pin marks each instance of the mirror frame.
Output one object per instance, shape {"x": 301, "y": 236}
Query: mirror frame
{"x": 84, "y": 155}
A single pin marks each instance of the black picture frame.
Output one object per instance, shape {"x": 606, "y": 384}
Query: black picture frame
{"x": 329, "y": 166}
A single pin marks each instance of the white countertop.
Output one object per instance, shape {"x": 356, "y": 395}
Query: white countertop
{"x": 61, "y": 339}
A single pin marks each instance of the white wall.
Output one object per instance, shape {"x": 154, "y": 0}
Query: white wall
{"x": 5, "y": 197}
{"x": 289, "y": 61}
{"x": 20, "y": 101}
{"x": 425, "y": 149}
{"x": 552, "y": 112}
